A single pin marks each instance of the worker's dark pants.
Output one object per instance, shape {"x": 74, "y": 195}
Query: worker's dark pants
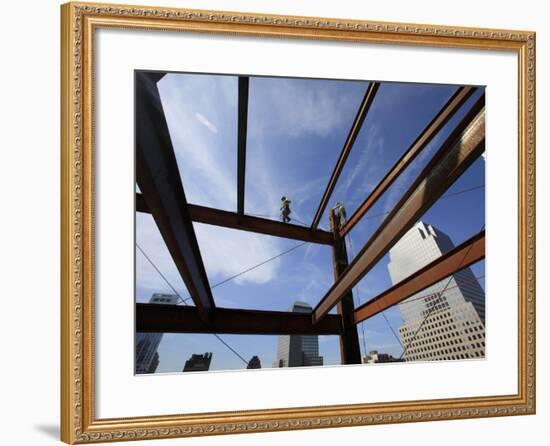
{"x": 285, "y": 217}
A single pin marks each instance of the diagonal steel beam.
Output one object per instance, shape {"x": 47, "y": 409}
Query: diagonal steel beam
{"x": 465, "y": 144}
{"x": 160, "y": 183}
{"x": 241, "y": 142}
{"x": 155, "y": 318}
{"x": 464, "y": 255}
{"x": 440, "y": 119}
{"x": 350, "y": 140}
{"x": 217, "y": 217}
{"x": 141, "y": 206}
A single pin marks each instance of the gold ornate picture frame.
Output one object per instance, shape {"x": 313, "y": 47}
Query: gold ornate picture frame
{"x": 80, "y": 21}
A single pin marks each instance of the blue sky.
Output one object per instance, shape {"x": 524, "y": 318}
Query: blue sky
{"x": 296, "y": 129}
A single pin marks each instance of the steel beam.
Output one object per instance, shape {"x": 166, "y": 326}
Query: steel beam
{"x": 158, "y": 318}
{"x": 440, "y": 119}
{"x": 465, "y": 144}
{"x": 141, "y": 206}
{"x": 464, "y": 255}
{"x": 241, "y": 142}
{"x": 350, "y": 140}
{"x": 217, "y": 217}
{"x": 160, "y": 183}
{"x": 350, "y": 351}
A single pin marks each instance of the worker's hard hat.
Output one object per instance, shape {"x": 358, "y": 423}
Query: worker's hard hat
{"x": 283, "y": 198}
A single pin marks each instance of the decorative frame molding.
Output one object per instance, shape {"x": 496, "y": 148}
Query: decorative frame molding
{"x": 78, "y": 424}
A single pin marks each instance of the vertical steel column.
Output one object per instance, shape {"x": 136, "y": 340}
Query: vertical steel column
{"x": 241, "y": 142}
{"x": 350, "y": 352}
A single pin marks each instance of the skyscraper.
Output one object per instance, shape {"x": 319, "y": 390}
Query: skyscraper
{"x": 446, "y": 320}
{"x": 147, "y": 358}
{"x": 154, "y": 363}
{"x": 198, "y": 363}
{"x": 298, "y": 350}
{"x": 254, "y": 363}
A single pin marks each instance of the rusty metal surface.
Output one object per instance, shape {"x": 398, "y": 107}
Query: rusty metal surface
{"x": 350, "y": 351}
{"x": 226, "y": 219}
{"x": 440, "y": 119}
{"x": 459, "y": 151}
{"x": 462, "y": 256}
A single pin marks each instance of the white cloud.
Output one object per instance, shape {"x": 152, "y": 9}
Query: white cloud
{"x": 206, "y": 155}
{"x": 368, "y": 164}
{"x": 201, "y": 112}
{"x": 204, "y": 120}
{"x": 298, "y": 106}
{"x": 227, "y": 252}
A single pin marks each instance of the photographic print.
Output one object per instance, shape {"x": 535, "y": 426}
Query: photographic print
{"x": 298, "y": 222}
{"x": 255, "y": 202}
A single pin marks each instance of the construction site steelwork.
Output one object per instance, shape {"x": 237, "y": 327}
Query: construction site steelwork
{"x": 162, "y": 195}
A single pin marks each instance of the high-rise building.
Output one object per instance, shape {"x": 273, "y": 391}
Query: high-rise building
{"x": 198, "y": 363}
{"x": 147, "y": 358}
{"x": 154, "y": 363}
{"x": 298, "y": 350}
{"x": 374, "y": 357}
{"x": 447, "y": 319}
{"x": 254, "y": 363}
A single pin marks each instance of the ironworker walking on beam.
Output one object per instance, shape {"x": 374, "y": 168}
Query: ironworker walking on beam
{"x": 285, "y": 209}
{"x": 340, "y": 214}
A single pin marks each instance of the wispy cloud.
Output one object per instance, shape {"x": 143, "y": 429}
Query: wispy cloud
{"x": 296, "y": 130}
{"x": 362, "y": 177}
{"x": 398, "y": 188}
{"x": 206, "y": 155}
{"x": 299, "y": 107}
{"x": 204, "y": 120}
{"x": 227, "y": 252}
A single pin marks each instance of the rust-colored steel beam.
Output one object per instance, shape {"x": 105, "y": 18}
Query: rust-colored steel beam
{"x": 350, "y": 351}
{"x": 226, "y": 219}
{"x": 348, "y": 145}
{"x": 202, "y": 214}
{"x": 465, "y": 144}
{"x": 464, "y": 255}
{"x": 157, "y": 318}
{"x": 241, "y": 142}
{"x": 440, "y": 119}
{"x": 160, "y": 184}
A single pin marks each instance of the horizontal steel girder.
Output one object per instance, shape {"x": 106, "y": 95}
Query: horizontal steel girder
{"x": 160, "y": 318}
{"x": 232, "y": 220}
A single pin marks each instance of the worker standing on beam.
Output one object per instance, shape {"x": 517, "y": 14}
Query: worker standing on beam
{"x": 285, "y": 209}
{"x": 340, "y": 213}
